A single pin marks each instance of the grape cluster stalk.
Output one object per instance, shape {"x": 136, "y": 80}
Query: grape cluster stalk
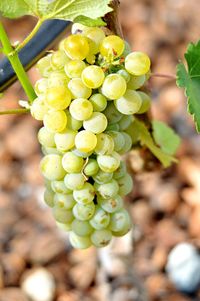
{"x": 90, "y": 89}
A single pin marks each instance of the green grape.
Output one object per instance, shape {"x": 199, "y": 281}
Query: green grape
{"x": 49, "y": 197}
{"x": 119, "y": 220}
{"x": 111, "y": 205}
{"x": 59, "y": 59}
{"x": 39, "y": 108}
{"x": 85, "y": 195}
{"x": 127, "y": 145}
{"x": 46, "y": 138}
{"x": 65, "y": 140}
{"x": 100, "y": 219}
{"x": 81, "y": 228}
{"x": 124, "y": 74}
{"x": 126, "y": 228}
{"x": 105, "y": 144}
{"x": 103, "y": 177}
{"x": 57, "y": 79}
{"x": 81, "y": 154}
{"x": 112, "y": 127}
{"x": 96, "y": 123}
{"x": 125, "y": 122}
{"x": 130, "y": 103}
{"x": 99, "y": 102}
{"x": 74, "y": 181}
{"x": 64, "y": 227}
{"x": 44, "y": 65}
{"x": 91, "y": 168}
{"x": 59, "y": 187}
{"x": 51, "y": 167}
{"x": 127, "y": 49}
{"x": 109, "y": 163}
{"x": 62, "y": 215}
{"x": 58, "y": 98}
{"x": 64, "y": 200}
{"x": 93, "y": 76}
{"x": 121, "y": 171}
{"x": 76, "y": 47}
{"x": 74, "y": 68}
{"x": 107, "y": 190}
{"x": 79, "y": 242}
{"x": 112, "y": 114}
{"x": 101, "y": 238}
{"x": 55, "y": 121}
{"x": 41, "y": 86}
{"x": 112, "y": 46}
{"x": 78, "y": 89}
{"x": 50, "y": 150}
{"x": 85, "y": 141}
{"x": 72, "y": 123}
{"x": 136, "y": 82}
{"x": 84, "y": 212}
{"x": 114, "y": 86}
{"x": 137, "y": 63}
{"x": 118, "y": 139}
{"x": 125, "y": 185}
{"x": 96, "y": 35}
{"x": 146, "y": 103}
{"x": 81, "y": 109}
{"x": 71, "y": 163}
{"x": 90, "y": 58}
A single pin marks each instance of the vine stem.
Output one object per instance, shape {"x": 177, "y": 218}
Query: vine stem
{"x": 30, "y": 36}
{"x": 14, "y": 111}
{"x": 16, "y": 64}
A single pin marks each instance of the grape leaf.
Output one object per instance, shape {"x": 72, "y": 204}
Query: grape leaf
{"x": 165, "y": 137}
{"x": 89, "y": 21}
{"x": 57, "y": 9}
{"x": 190, "y": 80}
{"x": 146, "y": 139}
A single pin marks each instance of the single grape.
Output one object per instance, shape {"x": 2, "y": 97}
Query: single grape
{"x": 59, "y": 187}
{"x": 112, "y": 114}
{"x": 113, "y": 127}
{"x": 96, "y": 123}
{"x": 51, "y": 167}
{"x": 121, "y": 171}
{"x": 79, "y": 242}
{"x": 65, "y": 140}
{"x": 41, "y": 86}
{"x": 81, "y": 109}
{"x": 125, "y": 122}
{"x": 62, "y": 215}
{"x": 124, "y": 74}
{"x": 50, "y": 150}
{"x": 85, "y": 141}
{"x": 93, "y": 76}
{"x": 130, "y": 103}
{"x": 44, "y": 65}
{"x": 91, "y": 168}
{"x": 100, "y": 219}
{"x": 137, "y": 63}
{"x": 119, "y": 220}
{"x": 64, "y": 200}
{"x": 84, "y": 155}
{"x": 76, "y": 47}
{"x": 84, "y": 212}
{"x": 112, "y": 46}
{"x": 118, "y": 139}
{"x": 74, "y": 68}
{"x": 125, "y": 185}
{"x": 105, "y": 144}
{"x": 101, "y": 238}
{"x": 64, "y": 227}
{"x": 78, "y": 89}
{"x": 58, "y": 98}
{"x": 55, "y": 121}
{"x": 136, "y": 82}
{"x": 85, "y": 195}
{"x": 81, "y": 228}
{"x": 59, "y": 59}
{"x": 109, "y": 163}
{"x": 95, "y": 34}
{"x": 73, "y": 124}
{"x": 127, "y": 145}
{"x": 103, "y": 177}
{"x": 57, "y": 79}
{"x": 46, "y": 138}
{"x": 74, "y": 181}
{"x": 39, "y": 108}
{"x": 99, "y": 102}
{"x": 49, "y": 197}
{"x": 71, "y": 163}
{"x": 107, "y": 190}
{"x": 146, "y": 103}
{"x": 111, "y": 205}
{"x": 114, "y": 86}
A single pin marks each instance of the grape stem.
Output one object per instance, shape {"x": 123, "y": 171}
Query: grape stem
{"x": 163, "y": 75}
{"x": 16, "y": 64}
{"x": 14, "y": 111}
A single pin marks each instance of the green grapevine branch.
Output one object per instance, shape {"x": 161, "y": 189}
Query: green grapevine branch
{"x": 14, "y": 111}
{"x": 16, "y": 64}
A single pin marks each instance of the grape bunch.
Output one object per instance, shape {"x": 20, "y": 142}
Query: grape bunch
{"x": 86, "y": 98}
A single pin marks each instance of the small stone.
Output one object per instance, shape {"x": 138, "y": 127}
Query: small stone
{"x": 39, "y": 285}
{"x": 13, "y": 266}
{"x": 159, "y": 258}
{"x": 157, "y": 285}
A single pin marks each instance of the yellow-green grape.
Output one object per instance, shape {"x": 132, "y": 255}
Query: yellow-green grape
{"x": 85, "y": 195}
{"x": 74, "y": 181}
{"x": 58, "y": 78}
{"x": 39, "y": 108}
{"x": 78, "y": 89}
{"x": 85, "y": 141}
{"x": 51, "y": 167}
{"x": 49, "y": 197}
{"x": 103, "y": 177}
{"x": 81, "y": 228}
{"x": 84, "y": 212}
{"x": 124, "y": 74}
{"x": 46, "y": 138}
{"x": 109, "y": 163}
{"x": 127, "y": 144}
{"x": 119, "y": 220}
{"x": 64, "y": 227}
{"x": 65, "y": 140}
{"x": 91, "y": 168}
{"x": 111, "y": 205}
{"x": 146, "y": 102}
{"x": 76, "y": 47}
{"x": 130, "y": 103}
{"x": 125, "y": 122}
{"x": 93, "y": 76}
{"x": 44, "y": 65}
{"x": 41, "y": 86}
{"x": 59, "y": 187}
{"x": 112, "y": 114}
{"x": 136, "y": 82}
{"x": 58, "y": 98}
{"x": 112, "y": 46}
{"x": 59, "y": 59}
{"x": 81, "y": 109}
{"x": 100, "y": 219}
{"x": 62, "y": 215}
{"x": 137, "y": 63}
{"x": 71, "y": 163}
{"x": 74, "y": 68}
{"x": 64, "y": 200}
{"x": 55, "y": 121}
{"x": 118, "y": 139}
{"x": 99, "y": 102}
{"x": 125, "y": 185}
{"x": 97, "y": 123}
{"x": 49, "y": 150}
{"x": 96, "y": 35}
{"x": 79, "y": 242}
{"x": 101, "y": 238}
{"x": 90, "y": 58}
{"x": 107, "y": 190}
{"x": 114, "y": 86}
{"x": 105, "y": 144}
{"x": 72, "y": 123}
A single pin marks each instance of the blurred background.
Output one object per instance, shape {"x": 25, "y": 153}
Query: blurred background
{"x": 36, "y": 260}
